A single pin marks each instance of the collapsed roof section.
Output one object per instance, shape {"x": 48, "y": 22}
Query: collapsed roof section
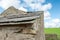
{"x": 15, "y": 16}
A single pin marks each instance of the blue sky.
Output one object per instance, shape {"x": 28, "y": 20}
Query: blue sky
{"x": 50, "y": 7}
{"x": 55, "y": 13}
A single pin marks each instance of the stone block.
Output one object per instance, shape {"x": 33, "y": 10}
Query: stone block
{"x": 18, "y": 36}
{"x": 2, "y": 35}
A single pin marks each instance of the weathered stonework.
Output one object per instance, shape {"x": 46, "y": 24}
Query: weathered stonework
{"x": 19, "y": 25}
{"x": 12, "y": 33}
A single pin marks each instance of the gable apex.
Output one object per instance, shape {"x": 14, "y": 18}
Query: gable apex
{"x": 12, "y": 11}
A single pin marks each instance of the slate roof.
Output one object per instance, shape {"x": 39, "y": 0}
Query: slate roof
{"x": 18, "y": 17}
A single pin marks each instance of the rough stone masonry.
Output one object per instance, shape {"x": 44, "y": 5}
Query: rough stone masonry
{"x": 19, "y": 25}
{"x": 11, "y": 33}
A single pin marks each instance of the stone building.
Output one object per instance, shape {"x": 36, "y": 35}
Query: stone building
{"x": 19, "y": 25}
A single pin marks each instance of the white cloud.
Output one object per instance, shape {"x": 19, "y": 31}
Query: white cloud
{"x": 56, "y": 20}
{"x": 47, "y": 15}
{"x": 46, "y": 7}
{"x": 35, "y": 6}
{"x": 7, "y": 3}
{"x": 42, "y": 1}
{"x": 28, "y": 1}
{"x": 53, "y": 23}
{"x": 35, "y": 1}
{"x": 21, "y": 8}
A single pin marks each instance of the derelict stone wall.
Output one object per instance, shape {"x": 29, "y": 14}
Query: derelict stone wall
{"x": 15, "y": 33}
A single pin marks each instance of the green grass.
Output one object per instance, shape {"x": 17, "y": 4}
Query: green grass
{"x": 53, "y": 31}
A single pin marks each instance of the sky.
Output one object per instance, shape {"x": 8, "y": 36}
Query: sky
{"x": 50, "y": 8}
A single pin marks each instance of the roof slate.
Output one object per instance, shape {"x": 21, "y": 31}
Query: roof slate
{"x": 13, "y": 14}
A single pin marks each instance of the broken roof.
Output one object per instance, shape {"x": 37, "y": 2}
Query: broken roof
{"x": 12, "y": 15}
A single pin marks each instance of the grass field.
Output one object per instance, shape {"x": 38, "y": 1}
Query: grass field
{"x": 53, "y": 31}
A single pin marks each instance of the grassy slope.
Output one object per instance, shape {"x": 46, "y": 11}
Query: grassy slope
{"x": 53, "y": 31}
